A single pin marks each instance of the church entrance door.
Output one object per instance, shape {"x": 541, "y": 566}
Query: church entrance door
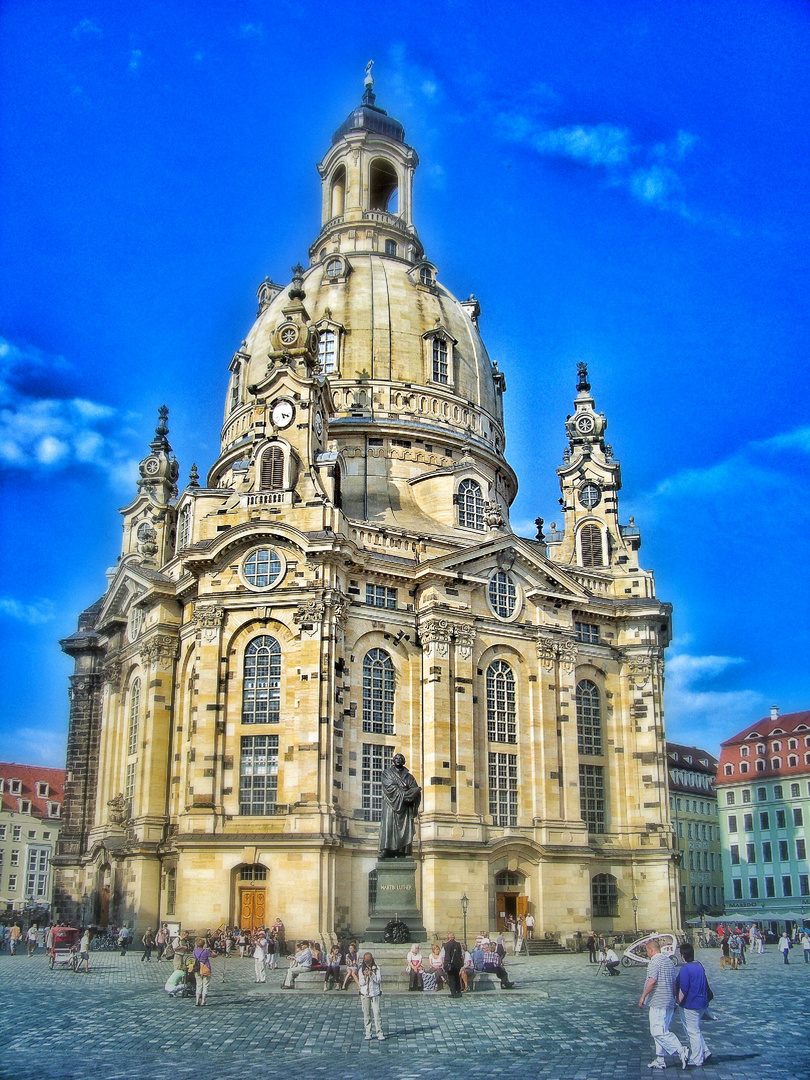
{"x": 252, "y": 908}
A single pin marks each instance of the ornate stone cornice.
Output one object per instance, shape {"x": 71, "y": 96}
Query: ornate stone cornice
{"x": 112, "y": 674}
{"x": 207, "y": 619}
{"x": 309, "y": 615}
{"x": 437, "y": 633}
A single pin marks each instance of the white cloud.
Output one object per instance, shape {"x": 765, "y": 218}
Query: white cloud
{"x": 86, "y": 29}
{"x": 135, "y": 57}
{"x": 701, "y": 716}
{"x": 756, "y": 466}
{"x": 48, "y": 433}
{"x": 647, "y": 172}
{"x": 251, "y": 30}
{"x": 34, "y": 614}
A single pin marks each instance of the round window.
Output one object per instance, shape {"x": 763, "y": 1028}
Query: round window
{"x": 502, "y": 595}
{"x": 334, "y": 268}
{"x": 262, "y": 568}
{"x": 589, "y": 495}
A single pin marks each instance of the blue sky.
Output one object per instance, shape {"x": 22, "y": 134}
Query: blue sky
{"x": 621, "y": 183}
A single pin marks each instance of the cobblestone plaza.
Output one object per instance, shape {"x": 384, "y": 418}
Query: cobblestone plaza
{"x": 117, "y": 1024}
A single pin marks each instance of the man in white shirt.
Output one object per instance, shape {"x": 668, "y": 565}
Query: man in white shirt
{"x": 611, "y": 962}
{"x": 302, "y": 962}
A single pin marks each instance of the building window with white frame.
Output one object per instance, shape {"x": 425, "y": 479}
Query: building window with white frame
{"x": 37, "y": 872}
{"x": 470, "y": 505}
{"x": 134, "y": 716}
{"x": 184, "y": 529}
{"x": 440, "y": 361}
{"x": 328, "y": 351}
{"x": 378, "y": 692}
{"x": 258, "y": 775}
{"x": 592, "y": 797}
{"x": 501, "y": 719}
{"x": 503, "y": 789}
{"x": 381, "y": 596}
{"x": 261, "y": 681}
{"x": 502, "y": 595}
{"x": 589, "y": 718}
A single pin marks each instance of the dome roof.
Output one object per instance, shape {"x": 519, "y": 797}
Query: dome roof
{"x": 367, "y": 117}
{"x": 387, "y": 316}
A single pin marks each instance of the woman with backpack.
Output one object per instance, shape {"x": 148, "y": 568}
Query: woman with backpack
{"x": 693, "y": 994}
{"x": 202, "y": 970}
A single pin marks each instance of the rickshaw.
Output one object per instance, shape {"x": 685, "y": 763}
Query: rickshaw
{"x": 636, "y": 954}
{"x": 64, "y": 951}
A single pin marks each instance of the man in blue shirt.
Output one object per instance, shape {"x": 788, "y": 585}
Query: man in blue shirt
{"x": 692, "y": 993}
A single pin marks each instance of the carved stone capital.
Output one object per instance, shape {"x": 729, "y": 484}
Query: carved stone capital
{"x": 309, "y": 616}
{"x": 160, "y": 649}
{"x": 339, "y": 605}
{"x": 119, "y": 809}
{"x": 112, "y": 674}
{"x": 551, "y": 650}
{"x": 464, "y": 634}
{"x": 208, "y": 618}
{"x": 436, "y": 635}
{"x": 639, "y": 671}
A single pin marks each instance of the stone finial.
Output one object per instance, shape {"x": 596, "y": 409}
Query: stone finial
{"x": 193, "y": 477}
{"x": 582, "y": 382}
{"x": 297, "y": 290}
{"x": 539, "y": 523}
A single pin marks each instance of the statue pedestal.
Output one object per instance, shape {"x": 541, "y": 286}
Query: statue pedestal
{"x": 396, "y": 899}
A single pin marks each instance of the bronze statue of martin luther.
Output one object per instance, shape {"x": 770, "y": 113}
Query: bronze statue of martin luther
{"x": 401, "y": 798}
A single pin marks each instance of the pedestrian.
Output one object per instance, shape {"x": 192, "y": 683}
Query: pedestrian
{"x": 785, "y": 947}
{"x": 202, "y": 971}
{"x": 591, "y": 948}
{"x": 84, "y": 951}
{"x": 370, "y": 982}
{"x": 519, "y": 935}
{"x": 148, "y": 942}
{"x": 31, "y": 940}
{"x": 693, "y": 995}
{"x": 453, "y": 963}
{"x": 123, "y": 939}
{"x": 659, "y": 989}
{"x": 725, "y": 953}
{"x": 530, "y": 926}
{"x": 161, "y": 941}
{"x": 611, "y": 962}
{"x": 806, "y": 944}
{"x": 273, "y": 951}
{"x": 259, "y": 957}
{"x": 241, "y": 941}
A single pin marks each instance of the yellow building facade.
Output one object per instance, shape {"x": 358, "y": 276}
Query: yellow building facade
{"x": 345, "y": 584}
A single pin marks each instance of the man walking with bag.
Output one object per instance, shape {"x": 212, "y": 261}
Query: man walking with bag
{"x": 693, "y": 995}
{"x": 659, "y": 989}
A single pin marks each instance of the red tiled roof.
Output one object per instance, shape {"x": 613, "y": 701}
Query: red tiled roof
{"x": 765, "y": 727}
{"x": 741, "y": 763}
{"x": 29, "y": 776}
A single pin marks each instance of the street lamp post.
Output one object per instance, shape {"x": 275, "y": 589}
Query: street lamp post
{"x": 634, "y": 902}
{"x": 464, "y": 905}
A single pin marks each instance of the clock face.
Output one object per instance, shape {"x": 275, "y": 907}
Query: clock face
{"x": 151, "y": 466}
{"x": 318, "y": 424}
{"x": 288, "y": 335}
{"x": 585, "y": 424}
{"x": 283, "y": 413}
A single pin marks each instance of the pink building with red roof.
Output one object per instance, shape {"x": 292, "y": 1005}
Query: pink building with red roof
{"x": 30, "y": 816}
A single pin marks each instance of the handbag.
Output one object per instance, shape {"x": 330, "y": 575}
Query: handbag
{"x": 204, "y": 969}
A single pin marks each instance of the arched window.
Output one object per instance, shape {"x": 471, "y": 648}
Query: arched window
{"x": 589, "y": 718}
{"x": 382, "y": 186}
{"x": 338, "y": 191}
{"x": 272, "y": 470}
{"x": 327, "y": 352}
{"x": 378, "y": 692}
{"x": 501, "y": 726}
{"x": 261, "y": 683}
{"x": 134, "y": 713}
{"x": 590, "y": 539}
{"x": 470, "y": 505}
{"x": 604, "y": 896}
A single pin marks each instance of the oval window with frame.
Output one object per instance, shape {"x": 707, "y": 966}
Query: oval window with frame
{"x": 503, "y": 595}
{"x": 590, "y": 495}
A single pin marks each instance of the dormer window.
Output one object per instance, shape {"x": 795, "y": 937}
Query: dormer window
{"x": 439, "y": 347}
{"x": 327, "y": 352}
{"x": 25, "y": 806}
{"x": 426, "y": 276}
{"x": 43, "y": 789}
{"x": 54, "y": 809}
{"x": 440, "y": 361}
{"x": 15, "y": 787}
{"x": 743, "y": 751}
